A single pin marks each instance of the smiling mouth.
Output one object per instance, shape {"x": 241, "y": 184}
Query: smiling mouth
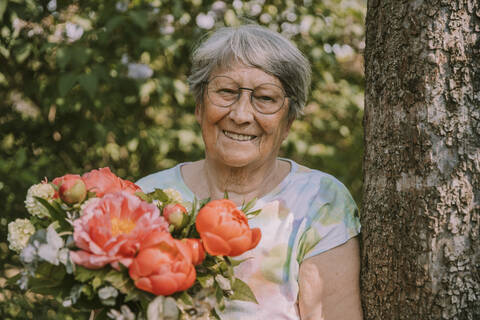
{"x": 238, "y": 137}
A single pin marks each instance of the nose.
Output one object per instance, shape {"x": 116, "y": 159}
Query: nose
{"x": 242, "y": 111}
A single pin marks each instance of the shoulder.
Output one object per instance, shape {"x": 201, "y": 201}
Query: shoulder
{"x": 159, "y": 180}
{"x": 318, "y": 186}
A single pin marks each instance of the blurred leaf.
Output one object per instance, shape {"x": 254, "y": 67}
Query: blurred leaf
{"x": 140, "y": 18}
{"x": 89, "y": 82}
{"x": 22, "y": 52}
{"x": 65, "y": 83}
{"x": 3, "y": 7}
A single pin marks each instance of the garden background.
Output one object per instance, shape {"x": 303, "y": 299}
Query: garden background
{"x": 89, "y": 84}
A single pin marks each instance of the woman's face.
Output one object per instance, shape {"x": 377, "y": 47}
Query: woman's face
{"x": 239, "y": 136}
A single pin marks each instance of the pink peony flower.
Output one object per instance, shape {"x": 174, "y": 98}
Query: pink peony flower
{"x": 103, "y": 181}
{"x": 112, "y": 228}
{"x": 71, "y": 188}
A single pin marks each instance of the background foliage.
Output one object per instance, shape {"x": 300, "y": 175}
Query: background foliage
{"x": 87, "y": 84}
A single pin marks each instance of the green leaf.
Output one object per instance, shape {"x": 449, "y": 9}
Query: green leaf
{"x": 253, "y": 213}
{"x": 83, "y": 274}
{"x": 140, "y": 18}
{"x": 65, "y": 83}
{"x": 249, "y": 205}
{"x": 205, "y": 281}
{"x": 63, "y": 57}
{"x": 89, "y": 82}
{"x": 234, "y": 262}
{"x": 80, "y": 55}
{"x": 113, "y": 23}
{"x": 118, "y": 279}
{"x": 56, "y": 213}
{"x": 186, "y": 298}
{"x": 22, "y": 52}
{"x": 48, "y": 278}
{"x": 3, "y": 7}
{"x": 241, "y": 291}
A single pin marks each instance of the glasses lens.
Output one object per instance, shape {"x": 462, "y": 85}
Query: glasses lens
{"x": 222, "y": 91}
{"x": 268, "y": 98}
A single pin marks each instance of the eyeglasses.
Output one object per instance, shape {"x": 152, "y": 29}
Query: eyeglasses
{"x": 266, "y": 98}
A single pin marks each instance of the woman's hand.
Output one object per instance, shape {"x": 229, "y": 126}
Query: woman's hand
{"x": 329, "y": 284}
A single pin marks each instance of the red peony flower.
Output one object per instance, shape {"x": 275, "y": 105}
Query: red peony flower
{"x": 71, "y": 188}
{"x": 112, "y": 229}
{"x": 224, "y": 229}
{"x": 103, "y": 181}
{"x": 163, "y": 265}
{"x": 198, "y": 251}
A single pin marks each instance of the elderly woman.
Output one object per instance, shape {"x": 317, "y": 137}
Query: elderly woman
{"x": 250, "y": 84}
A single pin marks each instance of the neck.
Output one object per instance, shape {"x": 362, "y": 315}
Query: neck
{"x": 241, "y": 184}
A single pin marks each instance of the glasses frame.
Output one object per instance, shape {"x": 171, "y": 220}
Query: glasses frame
{"x": 240, "y": 94}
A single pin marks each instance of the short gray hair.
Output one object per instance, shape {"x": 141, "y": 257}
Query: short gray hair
{"x": 255, "y": 46}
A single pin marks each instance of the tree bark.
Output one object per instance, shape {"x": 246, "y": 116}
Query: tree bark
{"x": 421, "y": 217}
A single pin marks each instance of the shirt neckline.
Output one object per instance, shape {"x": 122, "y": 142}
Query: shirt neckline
{"x": 266, "y": 197}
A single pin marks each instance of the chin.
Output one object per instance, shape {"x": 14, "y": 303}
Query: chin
{"x": 236, "y": 160}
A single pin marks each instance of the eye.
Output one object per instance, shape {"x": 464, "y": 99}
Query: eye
{"x": 226, "y": 91}
{"x": 264, "y": 98}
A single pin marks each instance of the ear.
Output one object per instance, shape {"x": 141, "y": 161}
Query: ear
{"x": 287, "y": 128}
{"x": 198, "y": 112}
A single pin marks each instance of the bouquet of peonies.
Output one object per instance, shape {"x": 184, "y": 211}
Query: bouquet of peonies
{"x": 97, "y": 243}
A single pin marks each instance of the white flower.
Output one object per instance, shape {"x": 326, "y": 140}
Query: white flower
{"x": 28, "y": 254}
{"x": 19, "y": 231}
{"x": 124, "y": 314}
{"x": 173, "y": 195}
{"x": 162, "y": 308}
{"x": 74, "y": 31}
{"x": 121, "y": 6}
{"x": 205, "y": 21}
{"x": 139, "y": 71}
{"x": 107, "y": 293}
{"x": 50, "y": 251}
{"x": 223, "y": 282}
{"x": 41, "y": 190}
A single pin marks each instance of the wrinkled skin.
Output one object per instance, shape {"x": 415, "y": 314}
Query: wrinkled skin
{"x": 224, "y": 229}
{"x": 163, "y": 265}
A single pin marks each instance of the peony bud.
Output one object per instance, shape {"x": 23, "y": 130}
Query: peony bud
{"x": 72, "y": 189}
{"x": 175, "y": 214}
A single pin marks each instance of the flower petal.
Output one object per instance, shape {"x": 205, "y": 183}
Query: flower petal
{"x": 214, "y": 244}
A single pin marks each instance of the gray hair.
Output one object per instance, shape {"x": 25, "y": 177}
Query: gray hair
{"x": 255, "y": 46}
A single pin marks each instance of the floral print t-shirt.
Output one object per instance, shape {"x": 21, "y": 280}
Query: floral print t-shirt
{"x": 308, "y": 213}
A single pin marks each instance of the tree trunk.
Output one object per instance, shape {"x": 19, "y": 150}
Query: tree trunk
{"x": 421, "y": 217}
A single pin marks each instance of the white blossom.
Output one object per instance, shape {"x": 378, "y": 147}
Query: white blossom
{"x": 41, "y": 190}
{"x": 121, "y": 6}
{"x": 205, "y": 21}
{"x": 162, "y": 308}
{"x": 139, "y": 71}
{"x": 124, "y": 314}
{"x": 223, "y": 282}
{"x": 19, "y": 231}
{"x": 73, "y": 31}
{"x": 52, "y": 5}
{"x": 173, "y": 195}
{"x": 28, "y": 254}
{"x": 50, "y": 251}
{"x": 107, "y": 293}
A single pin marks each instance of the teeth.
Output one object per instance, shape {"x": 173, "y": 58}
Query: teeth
{"x": 239, "y": 137}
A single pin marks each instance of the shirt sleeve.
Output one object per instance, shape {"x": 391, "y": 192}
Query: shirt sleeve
{"x": 331, "y": 220}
